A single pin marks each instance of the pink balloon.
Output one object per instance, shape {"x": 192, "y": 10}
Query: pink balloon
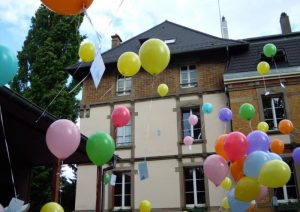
{"x": 215, "y": 168}
{"x": 63, "y": 138}
{"x": 193, "y": 120}
{"x": 235, "y": 146}
{"x": 188, "y": 140}
{"x": 120, "y": 116}
{"x": 263, "y": 193}
{"x": 1, "y": 208}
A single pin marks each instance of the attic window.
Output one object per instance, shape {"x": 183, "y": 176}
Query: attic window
{"x": 142, "y": 40}
{"x": 169, "y": 41}
{"x": 279, "y": 57}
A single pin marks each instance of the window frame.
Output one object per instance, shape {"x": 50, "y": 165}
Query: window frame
{"x": 192, "y": 128}
{"x": 123, "y": 194}
{"x": 195, "y": 191}
{"x": 125, "y": 92}
{"x": 189, "y": 84}
{"x": 123, "y": 136}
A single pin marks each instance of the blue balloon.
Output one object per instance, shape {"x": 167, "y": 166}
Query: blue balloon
{"x": 274, "y": 156}
{"x": 8, "y": 65}
{"x": 254, "y": 162}
{"x": 258, "y": 140}
{"x": 207, "y": 108}
{"x": 236, "y": 205}
{"x": 225, "y": 114}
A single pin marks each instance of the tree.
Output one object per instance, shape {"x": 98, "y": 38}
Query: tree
{"x": 51, "y": 45}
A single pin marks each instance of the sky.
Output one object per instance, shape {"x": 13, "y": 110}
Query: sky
{"x": 245, "y": 18}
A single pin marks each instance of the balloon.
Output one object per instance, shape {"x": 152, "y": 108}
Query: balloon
{"x": 120, "y": 116}
{"x": 269, "y": 50}
{"x": 154, "y": 55}
{"x": 247, "y": 189}
{"x": 277, "y": 146}
{"x": 263, "y": 68}
{"x": 263, "y": 126}
{"x": 252, "y": 206}
{"x": 188, "y": 140}
{"x": 129, "y": 64}
{"x": 225, "y": 114}
{"x": 274, "y": 156}
{"x": 67, "y": 7}
{"x": 162, "y": 90}
{"x": 247, "y": 111}
{"x": 258, "y": 140}
{"x": 274, "y": 174}
{"x": 193, "y": 119}
{"x": 225, "y": 203}
{"x": 145, "y": 206}
{"x": 87, "y": 52}
{"x": 100, "y": 148}
{"x": 1, "y": 208}
{"x": 296, "y": 155}
{"x": 207, "y": 108}
{"x": 219, "y": 146}
{"x": 262, "y": 193}
{"x": 52, "y": 207}
{"x": 106, "y": 178}
{"x": 63, "y": 138}
{"x": 237, "y": 169}
{"x": 215, "y": 168}
{"x": 254, "y": 162}
{"x": 8, "y": 65}
{"x": 285, "y": 126}
{"x": 226, "y": 183}
{"x": 236, "y": 205}
{"x": 235, "y": 145}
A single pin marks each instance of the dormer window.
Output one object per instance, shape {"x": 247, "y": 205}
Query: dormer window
{"x": 280, "y": 57}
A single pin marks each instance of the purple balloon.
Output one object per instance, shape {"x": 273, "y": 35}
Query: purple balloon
{"x": 225, "y": 114}
{"x": 258, "y": 140}
{"x": 296, "y": 155}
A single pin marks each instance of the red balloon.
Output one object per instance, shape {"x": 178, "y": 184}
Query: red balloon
{"x": 235, "y": 146}
{"x": 120, "y": 116}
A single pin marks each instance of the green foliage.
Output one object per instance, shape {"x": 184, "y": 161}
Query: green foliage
{"x": 51, "y": 45}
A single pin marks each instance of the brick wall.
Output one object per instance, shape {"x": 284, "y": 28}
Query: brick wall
{"x": 294, "y": 106}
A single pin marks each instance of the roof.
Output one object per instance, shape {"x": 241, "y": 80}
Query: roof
{"x": 187, "y": 40}
{"x": 247, "y": 60}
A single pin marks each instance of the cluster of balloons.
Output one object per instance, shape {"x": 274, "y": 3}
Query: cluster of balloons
{"x": 8, "y": 65}
{"x": 154, "y": 57}
{"x": 73, "y": 7}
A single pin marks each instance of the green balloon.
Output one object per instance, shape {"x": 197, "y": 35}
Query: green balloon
{"x": 106, "y": 178}
{"x": 247, "y": 111}
{"x": 269, "y": 50}
{"x": 100, "y": 147}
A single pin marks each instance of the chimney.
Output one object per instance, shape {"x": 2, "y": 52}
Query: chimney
{"x": 285, "y": 24}
{"x": 115, "y": 40}
{"x": 224, "y": 28}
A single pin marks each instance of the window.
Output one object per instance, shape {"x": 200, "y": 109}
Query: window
{"x": 289, "y": 191}
{"x": 123, "y": 85}
{"x": 124, "y": 135}
{"x": 274, "y": 112}
{"x": 188, "y": 76}
{"x": 122, "y": 190}
{"x": 194, "y": 187}
{"x": 187, "y": 128}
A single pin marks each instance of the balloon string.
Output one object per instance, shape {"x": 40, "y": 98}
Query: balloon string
{"x": 90, "y": 20}
{"x": 250, "y": 125}
{"x": 60, "y": 181}
{"x": 113, "y": 17}
{"x": 225, "y": 128}
{"x": 79, "y": 83}
{"x": 265, "y": 85}
{"x": 277, "y": 72}
{"x": 8, "y": 155}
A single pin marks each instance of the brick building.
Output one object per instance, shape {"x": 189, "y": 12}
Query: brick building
{"x": 203, "y": 68}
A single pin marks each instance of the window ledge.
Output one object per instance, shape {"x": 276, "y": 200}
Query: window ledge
{"x": 196, "y": 141}
{"x": 273, "y": 132}
{"x": 123, "y": 147}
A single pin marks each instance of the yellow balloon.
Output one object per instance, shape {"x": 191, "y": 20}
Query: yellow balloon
{"x": 52, "y": 207}
{"x": 145, "y": 206}
{"x": 263, "y": 68}
{"x": 87, "y": 52}
{"x": 225, "y": 203}
{"x": 129, "y": 64}
{"x": 162, "y": 89}
{"x": 247, "y": 189}
{"x": 226, "y": 183}
{"x": 154, "y": 55}
{"x": 263, "y": 126}
{"x": 274, "y": 174}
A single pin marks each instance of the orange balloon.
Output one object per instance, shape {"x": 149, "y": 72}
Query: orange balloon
{"x": 277, "y": 146}
{"x": 219, "y": 146}
{"x": 237, "y": 169}
{"x": 67, "y": 7}
{"x": 252, "y": 207}
{"x": 285, "y": 126}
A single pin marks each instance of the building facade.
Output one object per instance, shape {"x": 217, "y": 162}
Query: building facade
{"x": 203, "y": 68}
